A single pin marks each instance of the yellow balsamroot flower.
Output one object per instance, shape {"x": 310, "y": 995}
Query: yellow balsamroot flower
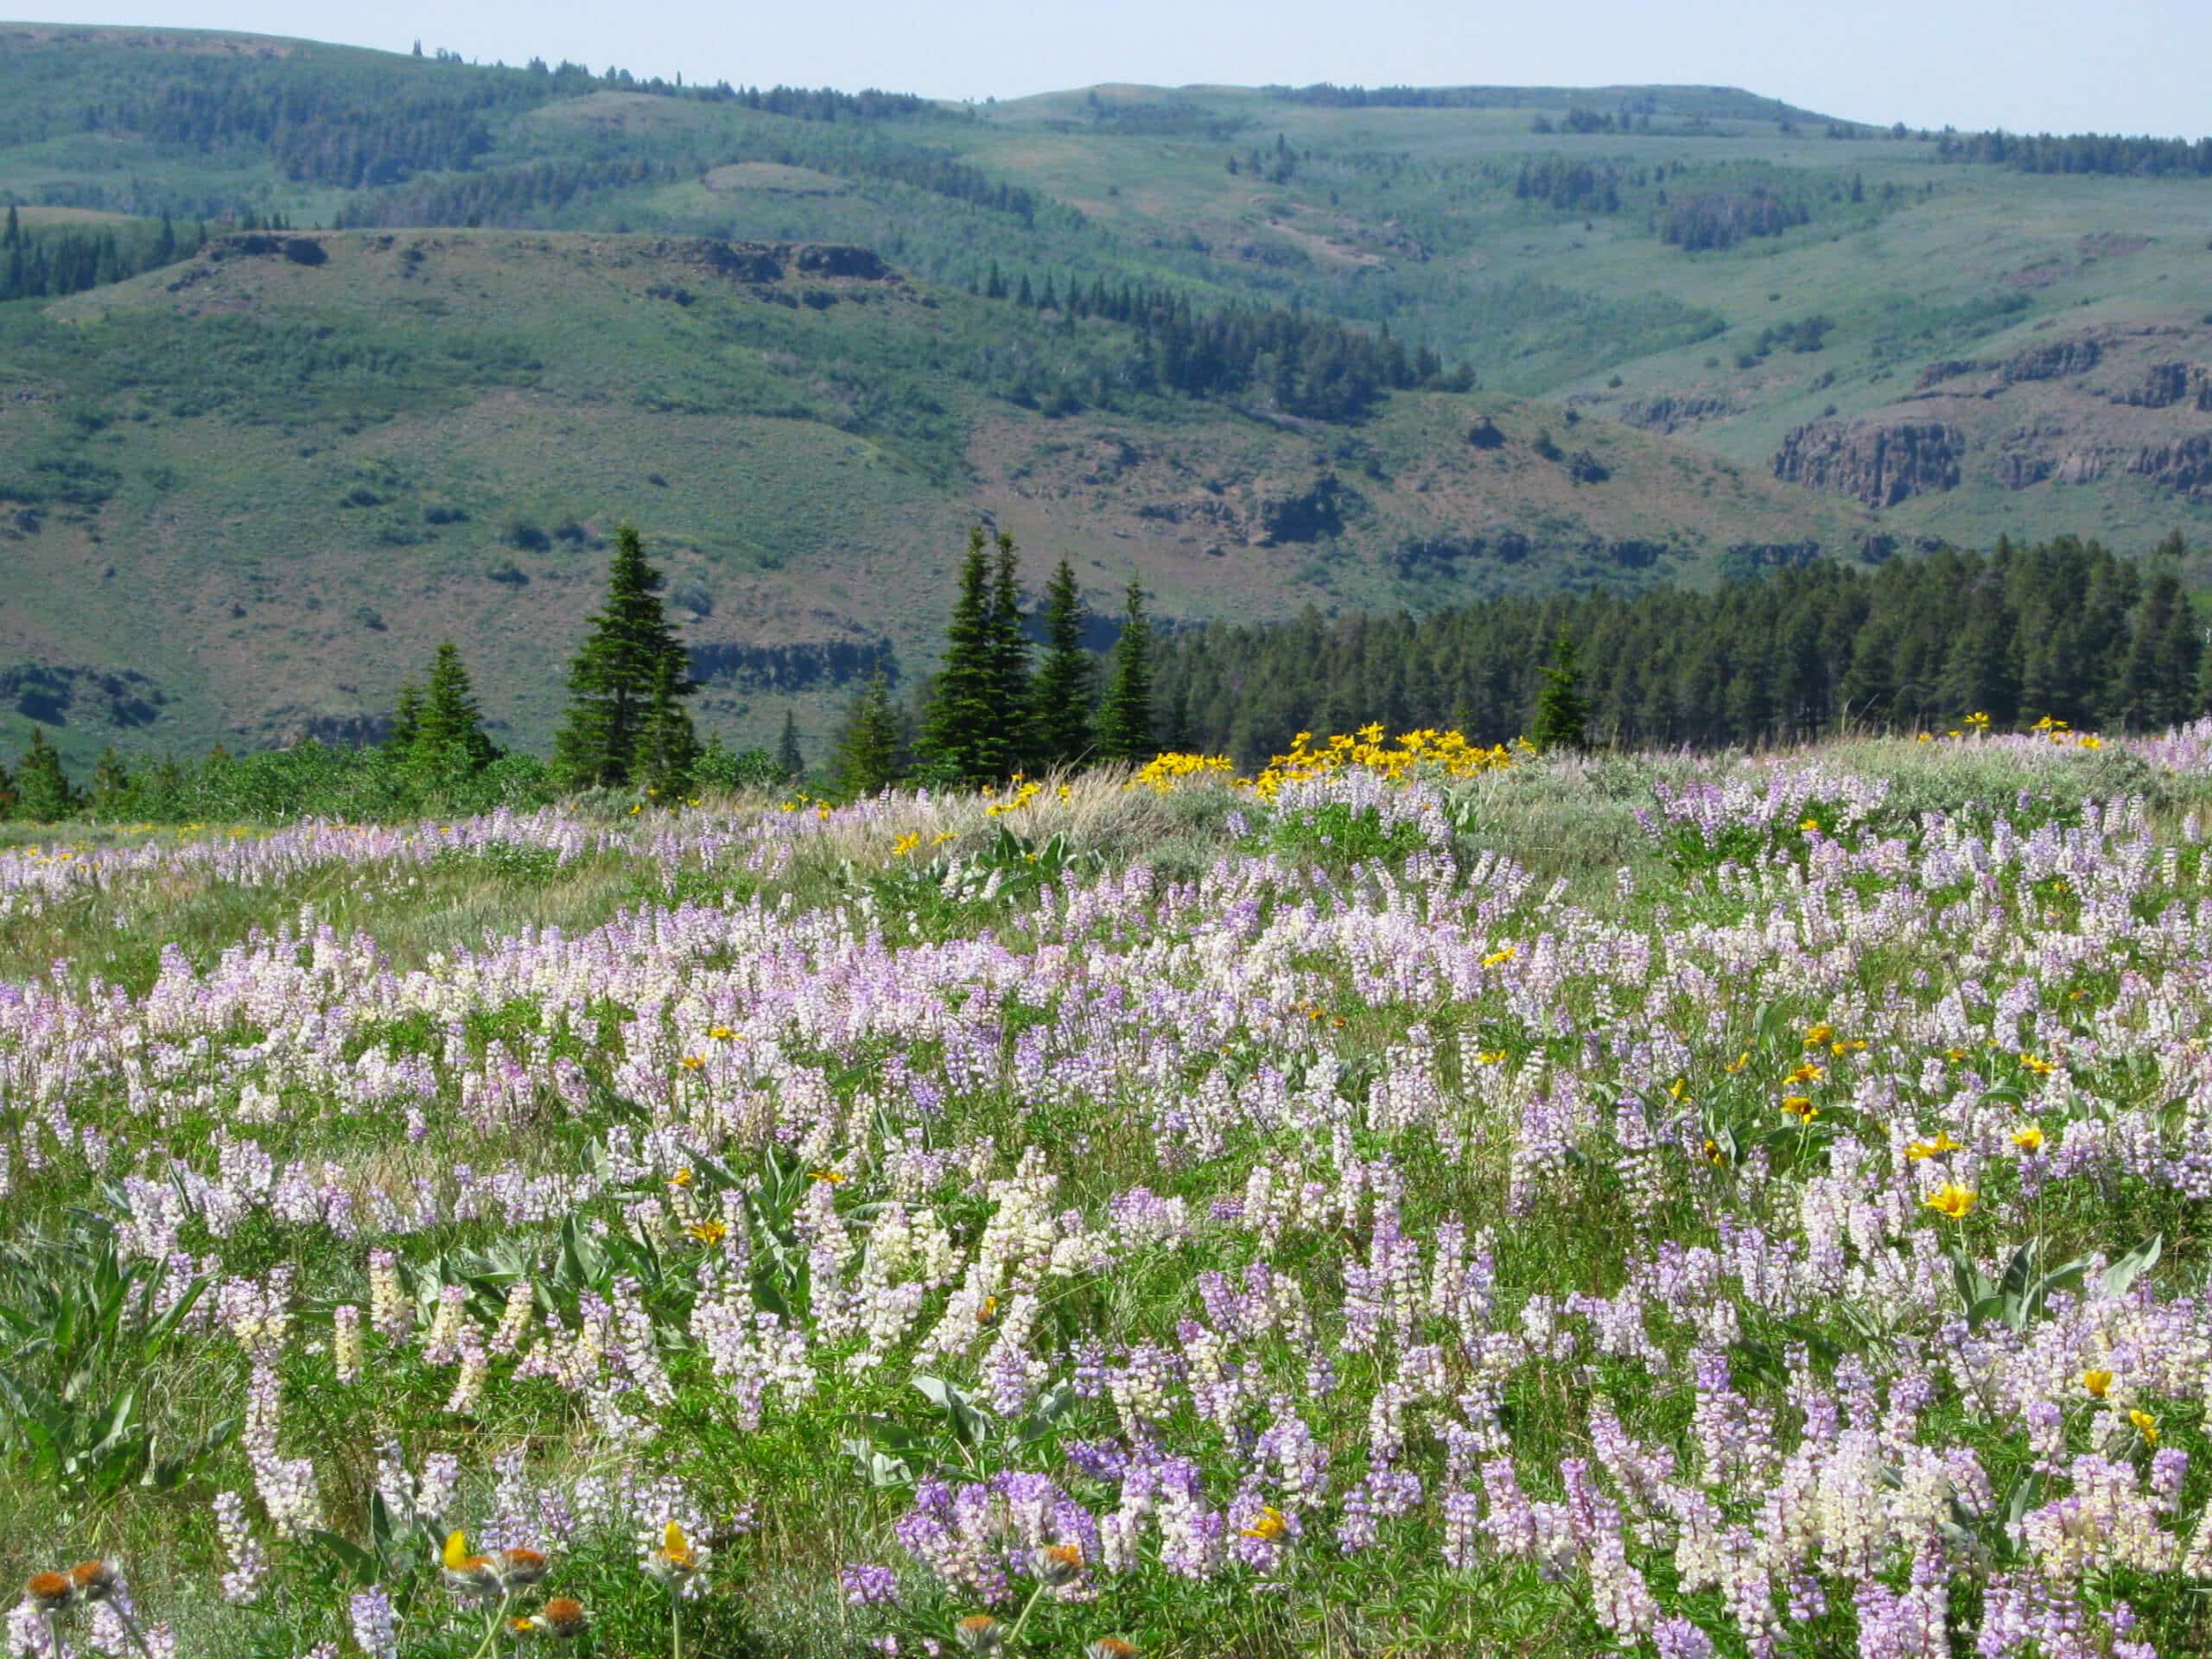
{"x": 2098, "y": 1382}
{"x": 1497, "y": 958}
{"x": 1679, "y": 1090}
{"x": 692, "y": 1062}
{"x": 835, "y": 1177}
{"x": 905, "y": 843}
{"x": 1809, "y": 826}
{"x": 1268, "y": 1526}
{"x": 682, "y": 1177}
{"x": 1942, "y": 1143}
{"x": 1713, "y": 1153}
{"x": 1953, "y": 1200}
{"x": 2039, "y": 1067}
{"x": 1800, "y": 1107}
{"x": 1492, "y": 1057}
{"x": 2028, "y": 1139}
{"x": 1738, "y": 1062}
{"x": 1815, "y": 1035}
{"x": 708, "y": 1232}
{"x": 721, "y": 1034}
{"x": 1807, "y": 1073}
{"x": 2145, "y": 1425}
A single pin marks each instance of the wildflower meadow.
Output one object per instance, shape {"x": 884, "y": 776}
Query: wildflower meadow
{"x": 1422, "y": 1198}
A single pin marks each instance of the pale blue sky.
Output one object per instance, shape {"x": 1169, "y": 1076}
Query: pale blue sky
{"x": 2130, "y": 66}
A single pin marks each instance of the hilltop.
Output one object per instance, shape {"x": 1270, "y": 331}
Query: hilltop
{"x": 1701, "y": 331}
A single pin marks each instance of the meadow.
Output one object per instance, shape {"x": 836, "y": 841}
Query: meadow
{"x": 1423, "y": 1199}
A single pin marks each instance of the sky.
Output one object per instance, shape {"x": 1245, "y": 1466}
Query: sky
{"x": 2060, "y": 66}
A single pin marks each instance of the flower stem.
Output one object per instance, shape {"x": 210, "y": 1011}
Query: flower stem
{"x": 131, "y": 1629}
{"x": 1014, "y": 1635}
{"x": 675, "y": 1619}
{"x": 491, "y": 1629}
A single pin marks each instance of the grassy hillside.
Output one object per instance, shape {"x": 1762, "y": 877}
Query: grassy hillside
{"x": 301, "y": 475}
{"x": 1697, "y": 289}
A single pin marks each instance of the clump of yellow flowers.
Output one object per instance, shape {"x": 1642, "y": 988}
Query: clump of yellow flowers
{"x": 1371, "y": 749}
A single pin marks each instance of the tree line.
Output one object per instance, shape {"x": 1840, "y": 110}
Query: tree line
{"x": 49, "y": 263}
{"x": 2066, "y": 629}
{"x": 1303, "y": 363}
{"x": 2083, "y": 152}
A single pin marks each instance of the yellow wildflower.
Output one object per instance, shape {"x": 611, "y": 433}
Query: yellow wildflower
{"x": 2146, "y": 1424}
{"x": 1953, "y": 1200}
{"x": 1268, "y": 1526}
{"x": 2097, "y": 1383}
{"x": 2028, "y": 1139}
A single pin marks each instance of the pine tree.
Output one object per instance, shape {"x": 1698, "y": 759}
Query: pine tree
{"x": 791, "y": 759}
{"x": 1562, "y": 715}
{"x": 449, "y": 730}
{"x": 1013, "y": 710}
{"x": 958, "y": 739}
{"x": 667, "y": 748}
{"x": 614, "y": 677}
{"x": 7, "y": 793}
{"x": 866, "y": 751}
{"x": 111, "y": 785}
{"x": 406, "y": 722}
{"x": 42, "y": 792}
{"x": 1125, "y": 717}
{"x": 1063, "y": 686}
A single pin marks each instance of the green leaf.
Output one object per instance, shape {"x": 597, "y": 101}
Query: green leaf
{"x": 2123, "y": 1274}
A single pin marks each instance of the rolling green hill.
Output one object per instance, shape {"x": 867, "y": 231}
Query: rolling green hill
{"x": 242, "y": 495}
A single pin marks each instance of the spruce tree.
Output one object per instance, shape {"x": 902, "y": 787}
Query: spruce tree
{"x": 111, "y": 785}
{"x": 791, "y": 759}
{"x": 614, "y": 677}
{"x": 7, "y": 793}
{"x": 958, "y": 741}
{"x": 668, "y": 749}
{"x": 406, "y": 722}
{"x": 43, "y": 790}
{"x": 1063, "y": 687}
{"x": 448, "y": 729}
{"x": 866, "y": 751}
{"x": 1013, "y": 715}
{"x": 1562, "y": 714}
{"x": 1125, "y": 717}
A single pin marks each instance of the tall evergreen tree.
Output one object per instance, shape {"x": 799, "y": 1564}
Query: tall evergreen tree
{"x": 1125, "y": 717}
{"x": 43, "y": 794}
{"x": 1065, "y": 679}
{"x": 1011, "y": 692}
{"x": 667, "y": 748}
{"x": 867, "y": 756}
{"x": 961, "y": 734}
{"x": 791, "y": 759}
{"x": 449, "y": 730}
{"x": 615, "y": 676}
{"x": 406, "y": 720}
{"x": 1562, "y": 713}
{"x": 111, "y": 785}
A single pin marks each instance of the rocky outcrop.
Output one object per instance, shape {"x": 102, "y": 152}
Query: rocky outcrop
{"x": 1666, "y": 413}
{"x": 1880, "y": 464}
{"x": 55, "y": 694}
{"x": 2016, "y": 469}
{"x": 1934, "y": 374}
{"x": 2166, "y": 384}
{"x": 2185, "y": 467}
{"x": 2053, "y": 360}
